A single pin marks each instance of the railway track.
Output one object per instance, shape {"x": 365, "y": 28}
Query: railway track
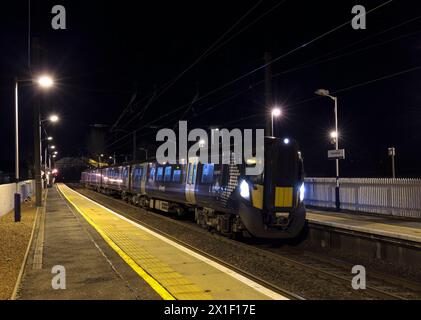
{"x": 379, "y": 286}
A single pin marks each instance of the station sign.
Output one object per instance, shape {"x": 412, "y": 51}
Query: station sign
{"x": 336, "y": 154}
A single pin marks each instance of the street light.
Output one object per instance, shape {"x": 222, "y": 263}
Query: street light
{"x": 54, "y": 118}
{"x": 333, "y": 134}
{"x": 44, "y": 81}
{"x": 326, "y": 93}
{"x": 50, "y": 138}
{"x": 276, "y": 112}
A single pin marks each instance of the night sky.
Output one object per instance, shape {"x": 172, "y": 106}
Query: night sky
{"x": 112, "y": 49}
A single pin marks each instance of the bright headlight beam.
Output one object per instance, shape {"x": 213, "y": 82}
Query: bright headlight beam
{"x": 245, "y": 190}
{"x": 302, "y": 192}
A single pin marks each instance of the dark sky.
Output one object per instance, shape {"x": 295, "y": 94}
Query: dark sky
{"x": 112, "y": 49}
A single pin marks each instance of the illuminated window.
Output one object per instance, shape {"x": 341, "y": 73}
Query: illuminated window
{"x": 167, "y": 176}
{"x": 137, "y": 174}
{"x": 207, "y": 173}
{"x": 176, "y": 175}
{"x": 152, "y": 174}
{"x": 159, "y": 173}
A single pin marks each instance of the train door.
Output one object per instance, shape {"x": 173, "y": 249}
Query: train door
{"x": 143, "y": 180}
{"x": 191, "y": 179}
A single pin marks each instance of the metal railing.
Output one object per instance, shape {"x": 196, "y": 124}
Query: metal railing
{"x": 392, "y": 197}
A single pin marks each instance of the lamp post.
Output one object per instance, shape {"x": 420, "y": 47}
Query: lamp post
{"x": 46, "y": 152}
{"x": 44, "y": 82}
{"x": 392, "y": 155}
{"x": 100, "y": 159}
{"x": 335, "y": 135}
{"x": 276, "y": 112}
{"x": 17, "y": 194}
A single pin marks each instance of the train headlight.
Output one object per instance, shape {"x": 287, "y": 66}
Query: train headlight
{"x": 302, "y": 192}
{"x": 245, "y": 190}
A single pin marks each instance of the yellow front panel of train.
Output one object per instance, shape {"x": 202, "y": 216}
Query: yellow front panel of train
{"x": 257, "y": 196}
{"x": 283, "y": 197}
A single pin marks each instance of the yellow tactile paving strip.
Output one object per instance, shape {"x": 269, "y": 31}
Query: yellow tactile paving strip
{"x": 171, "y": 272}
{"x": 401, "y": 230}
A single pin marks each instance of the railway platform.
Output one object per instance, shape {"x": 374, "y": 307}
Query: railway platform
{"x": 107, "y": 256}
{"x": 369, "y": 224}
{"x": 384, "y": 243}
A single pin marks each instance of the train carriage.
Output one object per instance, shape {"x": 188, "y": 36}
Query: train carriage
{"x": 222, "y": 196}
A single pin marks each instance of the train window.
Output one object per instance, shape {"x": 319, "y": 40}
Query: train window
{"x": 190, "y": 173}
{"x": 137, "y": 174}
{"x": 167, "y": 176}
{"x": 144, "y": 170}
{"x": 207, "y": 173}
{"x": 159, "y": 173}
{"x": 152, "y": 174}
{"x": 194, "y": 173}
{"x": 176, "y": 175}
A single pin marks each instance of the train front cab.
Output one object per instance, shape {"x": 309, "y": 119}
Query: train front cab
{"x": 271, "y": 205}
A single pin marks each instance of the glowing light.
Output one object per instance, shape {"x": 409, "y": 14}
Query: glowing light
{"x": 54, "y": 118}
{"x": 276, "y": 112}
{"x": 55, "y": 171}
{"x": 53, "y": 147}
{"x": 45, "y": 81}
{"x": 50, "y": 138}
{"x": 251, "y": 161}
{"x": 245, "y": 190}
{"x": 286, "y": 141}
{"x": 334, "y": 134}
{"x": 302, "y": 192}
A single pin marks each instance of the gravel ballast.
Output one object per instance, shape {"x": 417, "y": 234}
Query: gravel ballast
{"x": 14, "y": 239}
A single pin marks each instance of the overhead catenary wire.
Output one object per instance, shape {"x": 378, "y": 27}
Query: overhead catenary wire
{"x": 289, "y": 53}
{"x": 354, "y": 86}
{"x": 196, "y": 61}
{"x": 317, "y": 61}
{"x": 321, "y": 36}
{"x": 247, "y": 26}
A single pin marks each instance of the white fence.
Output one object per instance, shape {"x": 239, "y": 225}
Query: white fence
{"x": 7, "y": 192}
{"x": 395, "y": 197}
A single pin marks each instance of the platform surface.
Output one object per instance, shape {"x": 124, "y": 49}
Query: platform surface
{"x": 172, "y": 270}
{"x": 382, "y": 226}
{"x": 62, "y": 238}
